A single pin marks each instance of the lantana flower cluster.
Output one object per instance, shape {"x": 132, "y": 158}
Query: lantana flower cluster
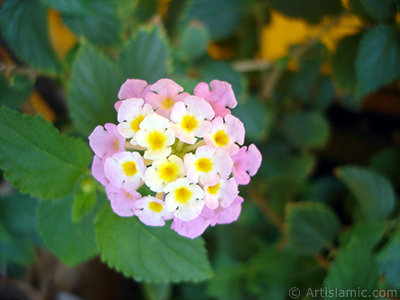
{"x": 187, "y": 149}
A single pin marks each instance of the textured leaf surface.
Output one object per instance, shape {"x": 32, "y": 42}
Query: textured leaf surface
{"x": 93, "y": 90}
{"x": 72, "y": 242}
{"x": 311, "y": 227}
{"x": 24, "y": 23}
{"x": 213, "y": 13}
{"x": 343, "y": 63}
{"x": 373, "y": 192}
{"x": 98, "y": 22}
{"x": 37, "y": 158}
{"x": 353, "y": 270}
{"x": 194, "y": 40}
{"x": 388, "y": 260}
{"x": 369, "y": 233}
{"x": 380, "y": 10}
{"x": 378, "y": 59}
{"x": 255, "y": 117}
{"x": 147, "y": 56}
{"x": 305, "y": 129}
{"x": 155, "y": 254}
{"x": 18, "y": 228}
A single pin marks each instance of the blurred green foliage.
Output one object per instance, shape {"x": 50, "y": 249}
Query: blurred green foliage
{"x": 322, "y": 212}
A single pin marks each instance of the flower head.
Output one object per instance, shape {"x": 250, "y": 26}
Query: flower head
{"x": 185, "y": 148}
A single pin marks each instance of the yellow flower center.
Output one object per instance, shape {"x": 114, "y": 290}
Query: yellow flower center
{"x": 183, "y": 194}
{"x": 156, "y": 140}
{"x": 221, "y": 138}
{"x": 154, "y": 206}
{"x": 129, "y": 168}
{"x": 169, "y": 172}
{"x": 167, "y": 103}
{"x": 136, "y": 122}
{"x": 213, "y": 190}
{"x": 189, "y": 123}
{"x": 204, "y": 164}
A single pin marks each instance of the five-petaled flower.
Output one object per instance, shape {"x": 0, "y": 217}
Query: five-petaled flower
{"x": 187, "y": 149}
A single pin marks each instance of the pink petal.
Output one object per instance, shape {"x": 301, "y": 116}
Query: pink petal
{"x": 106, "y": 142}
{"x": 229, "y": 214}
{"x": 254, "y": 159}
{"x": 98, "y": 170}
{"x": 220, "y": 96}
{"x": 190, "y": 229}
{"x": 235, "y": 128}
{"x": 122, "y": 202}
{"x": 132, "y": 88}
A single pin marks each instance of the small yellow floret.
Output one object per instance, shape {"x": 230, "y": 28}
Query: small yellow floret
{"x": 213, "y": 190}
{"x": 189, "y": 123}
{"x": 183, "y": 194}
{"x": 169, "y": 172}
{"x": 167, "y": 103}
{"x": 156, "y": 140}
{"x": 129, "y": 168}
{"x": 154, "y": 206}
{"x": 204, "y": 164}
{"x": 221, "y": 138}
{"x": 136, "y": 122}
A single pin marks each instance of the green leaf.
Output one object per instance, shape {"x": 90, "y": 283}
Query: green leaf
{"x": 72, "y": 242}
{"x": 255, "y": 117}
{"x": 18, "y": 228}
{"x": 373, "y": 192}
{"x": 302, "y": 81}
{"x": 13, "y": 94}
{"x": 98, "y": 22}
{"x": 325, "y": 95}
{"x": 311, "y": 227}
{"x": 380, "y": 10}
{"x": 156, "y": 254}
{"x": 305, "y": 129}
{"x": 378, "y": 59}
{"x": 146, "y": 56}
{"x": 388, "y": 260}
{"x": 369, "y": 233}
{"x": 353, "y": 270}
{"x": 311, "y": 10}
{"x": 157, "y": 291}
{"x": 357, "y": 8}
{"x": 24, "y": 26}
{"x": 194, "y": 40}
{"x": 69, "y": 7}
{"x": 93, "y": 90}
{"x": 343, "y": 63}
{"x": 386, "y": 162}
{"x": 37, "y": 158}
{"x": 221, "y": 17}
{"x": 144, "y": 10}
{"x": 84, "y": 198}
